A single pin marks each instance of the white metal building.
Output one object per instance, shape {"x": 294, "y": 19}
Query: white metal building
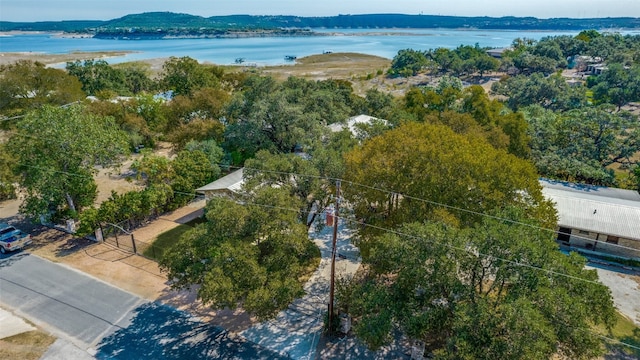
{"x": 226, "y": 185}
{"x": 596, "y": 218}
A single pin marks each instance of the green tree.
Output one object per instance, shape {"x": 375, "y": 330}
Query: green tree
{"x": 617, "y": 85}
{"x": 26, "y": 85}
{"x": 550, "y": 50}
{"x": 528, "y": 63}
{"x": 492, "y": 291}
{"x": 7, "y": 177}
{"x": 551, "y": 92}
{"x": 452, "y": 171}
{"x": 136, "y": 78}
{"x": 408, "y": 62}
{"x": 193, "y": 169}
{"x": 250, "y": 255}
{"x": 214, "y": 153}
{"x": 184, "y": 75}
{"x": 98, "y": 76}
{"x": 273, "y": 122}
{"x": 636, "y": 176}
{"x": 57, "y": 150}
{"x": 486, "y": 63}
{"x": 447, "y": 60}
{"x": 300, "y": 177}
{"x": 581, "y": 144}
{"x": 588, "y": 35}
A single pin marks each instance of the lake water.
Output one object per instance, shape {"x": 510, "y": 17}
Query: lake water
{"x": 272, "y": 50}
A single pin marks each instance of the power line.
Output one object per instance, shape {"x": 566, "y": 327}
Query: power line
{"x": 473, "y": 252}
{"x": 515, "y": 263}
{"x": 515, "y": 222}
{"x": 552, "y": 272}
{"x": 431, "y": 202}
{"x": 476, "y": 253}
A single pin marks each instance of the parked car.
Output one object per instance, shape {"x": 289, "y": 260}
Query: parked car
{"x": 12, "y": 239}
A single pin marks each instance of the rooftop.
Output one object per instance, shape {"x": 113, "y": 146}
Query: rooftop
{"x": 597, "y": 209}
{"x": 232, "y": 182}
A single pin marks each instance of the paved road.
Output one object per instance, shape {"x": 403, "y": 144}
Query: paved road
{"x": 72, "y": 303}
{"x": 108, "y": 322}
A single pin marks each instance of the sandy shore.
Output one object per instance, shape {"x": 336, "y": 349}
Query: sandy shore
{"x": 51, "y": 59}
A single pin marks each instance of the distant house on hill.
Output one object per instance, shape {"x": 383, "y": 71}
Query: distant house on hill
{"x": 225, "y": 186}
{"x": 596, "y": 69}
{"x": 596, "y": 218}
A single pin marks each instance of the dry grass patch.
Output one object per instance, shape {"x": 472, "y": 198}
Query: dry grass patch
{"x": 330, "y": 66}
{"x": 29, "y": 345}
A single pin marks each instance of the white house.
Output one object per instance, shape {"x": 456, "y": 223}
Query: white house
{"x": 596, "y": 218}
{"x": 226, "y": 185}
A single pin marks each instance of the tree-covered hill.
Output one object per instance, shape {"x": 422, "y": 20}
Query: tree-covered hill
{"x": 172, "y": 21}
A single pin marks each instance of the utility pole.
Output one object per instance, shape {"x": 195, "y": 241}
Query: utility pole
{"x": 336, "y": 215}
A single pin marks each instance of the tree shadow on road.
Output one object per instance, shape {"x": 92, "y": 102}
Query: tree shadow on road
{"x": 234, "y": 320}
{"x": 158, "y": 331}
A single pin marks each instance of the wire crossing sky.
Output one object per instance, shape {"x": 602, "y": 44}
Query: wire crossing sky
{"x": 43, "y": 10}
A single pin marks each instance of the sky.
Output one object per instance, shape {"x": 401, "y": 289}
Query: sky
{"x": 44, "y": 10}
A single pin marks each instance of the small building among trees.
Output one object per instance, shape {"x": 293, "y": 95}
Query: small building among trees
{"x": 596, "y": 218}
{"x": 226, "y": 185}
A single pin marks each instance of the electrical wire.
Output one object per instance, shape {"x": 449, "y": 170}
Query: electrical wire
{"x": 352, "y": 220}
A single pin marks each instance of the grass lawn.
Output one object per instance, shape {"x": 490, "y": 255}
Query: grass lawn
{"x": 165, "y": 240}
{"x": 624, "y": 331}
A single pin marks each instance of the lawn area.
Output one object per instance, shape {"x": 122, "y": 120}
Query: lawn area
{"x": 624, "y": 331}
{"x": 165, "y": 240}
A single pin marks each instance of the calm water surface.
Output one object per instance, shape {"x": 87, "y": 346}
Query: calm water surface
{"x": 272, "y": 50}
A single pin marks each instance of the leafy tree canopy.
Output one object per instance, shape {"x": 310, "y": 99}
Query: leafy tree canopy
{"x": 478, "y": 293}
{"x": 245, "y": 254}
{"x": 184, "y": 75}
{"x": 27, "y": 85}
{"x": 580, "y": 144}
{"x": 57, "y": 150}
{"x": 551, "y": 92}
{"x": 452, "y": 171}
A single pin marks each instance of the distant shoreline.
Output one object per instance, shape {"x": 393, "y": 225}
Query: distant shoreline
{"x": 392, "y": 31}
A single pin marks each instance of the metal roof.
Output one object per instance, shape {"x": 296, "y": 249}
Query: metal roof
{"x": 232, "y": 182}
{"x": 609, "y": 194}
{"x": 592, "y": 209}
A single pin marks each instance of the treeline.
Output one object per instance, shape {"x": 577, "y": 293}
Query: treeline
{"x": 577, "y": 129}
{"x": 167, "y": 20}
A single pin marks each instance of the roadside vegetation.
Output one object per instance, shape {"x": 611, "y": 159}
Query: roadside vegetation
{"x": 444, "y": 194}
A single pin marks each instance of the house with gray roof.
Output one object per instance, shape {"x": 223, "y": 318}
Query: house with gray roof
{"x": 596, "y": 218}
{"x": 225, "y": 186}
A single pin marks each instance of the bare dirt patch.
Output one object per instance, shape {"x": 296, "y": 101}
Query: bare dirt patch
{"x": 28, "y": 346}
